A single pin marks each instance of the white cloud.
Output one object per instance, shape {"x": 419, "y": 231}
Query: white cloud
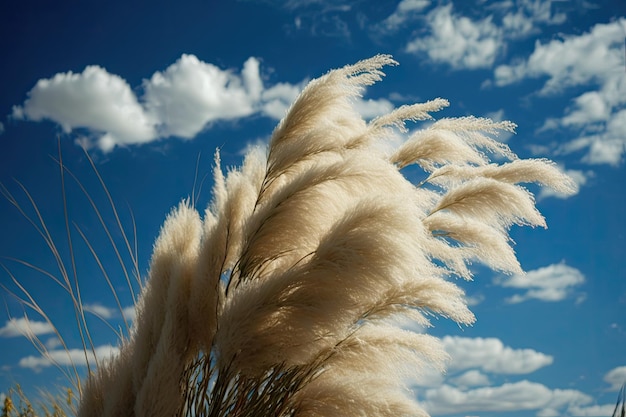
{"x": 593, "y": 60}
{"x": 93, "y": 99}
{"x": 277, "y": 99}
{"x": 571, "y": 61}
{"x": 129, "y": 313}
{"x": 472, "y": 378}
{"x": 52, "y": 343}
{"x": 180, "y": 101}
{"x": 491, "y": 355}
{"x": 526, "y": 15}
{"x": 71, "y": 357}
{"x": 190, "y": 94}
{"x": 458, "y": 41}
{"x": 23, "y": 326}
{"x": 405, "y": 11}
{"x": 1, "y": 128}
{"x": 550, "y": 283}
{"x": 100, "y": 310}
{"x": 616, "y": 377}
{"x": 370, "y": 108}
{"x": 464, "y": 43}
{"x": 522, "y": 395}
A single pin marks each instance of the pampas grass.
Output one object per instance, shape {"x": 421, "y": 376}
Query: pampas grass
{"x": 286, "y": 296}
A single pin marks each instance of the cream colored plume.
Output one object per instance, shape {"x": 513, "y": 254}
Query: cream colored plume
{"x": 285, "y": 299}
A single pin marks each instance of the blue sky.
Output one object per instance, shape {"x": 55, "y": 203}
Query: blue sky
{"x": 151, "y": 90}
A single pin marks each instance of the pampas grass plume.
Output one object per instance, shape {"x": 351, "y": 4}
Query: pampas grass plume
{"x": 286, "y": 297}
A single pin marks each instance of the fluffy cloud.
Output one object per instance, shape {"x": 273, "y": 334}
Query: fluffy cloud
{"x": 491, "y": 355}
{"x": 71, "y": 357}
{"x": 370, "y": 108}
{"x": 551, "y": 283}
{"x": 593, "y": 60}
{"x": 277, "y": 99}
{"x": 471, "y": 378}
{"x": 465, "y": 43}
{"x": 190, "y": 94}
{"x": 23, "y": 326}
{"x": 93, "y": 99}
{"x": 458, "y": 40}
{"x": 469, "y": 389}
{"x": 522, "y": 395}
{"x": 616, "y": 377}
{"x": 181, "y": 101}
{"x": 571, "y": 61}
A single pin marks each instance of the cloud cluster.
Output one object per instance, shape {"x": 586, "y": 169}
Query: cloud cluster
{"x": 458, "y": 41}
{"x": 516, "y": 396}
{"x": 550, "y": 283}
{"x": 594, "y": 61}
{"x": 465, "y": 43}
{"x": 180, "y": 101}
{"x": 477, "y": 362}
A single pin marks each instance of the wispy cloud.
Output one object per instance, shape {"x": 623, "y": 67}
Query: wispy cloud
{"x": 523, "y": 17}
{"x": 551, "y": 283}
{"x": 326, "y": 18}
{"x": 71, "y": 357}
{"x": 23, "y": 326}
{"x": 107, "y": 313}
{"x": 595, "y": 61}
{"x": 406, "y": 11}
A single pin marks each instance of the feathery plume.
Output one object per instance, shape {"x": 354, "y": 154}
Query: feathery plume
{"x": 291, "y": 286}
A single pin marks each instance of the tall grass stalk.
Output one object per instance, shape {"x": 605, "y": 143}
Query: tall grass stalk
{"x": 286, "y": 297}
